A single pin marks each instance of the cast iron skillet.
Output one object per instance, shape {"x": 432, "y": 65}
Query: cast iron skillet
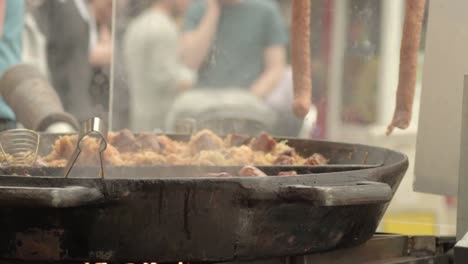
{"x": 166, "y": 217}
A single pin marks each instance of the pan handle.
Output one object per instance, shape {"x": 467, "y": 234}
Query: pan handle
{"x": 52, "y": 197}
{"x": 365, "y": 192}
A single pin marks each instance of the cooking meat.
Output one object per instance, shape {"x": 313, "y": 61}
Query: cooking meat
{"x": 241, "y": 155}
{"x": 235, "y": 140}
{"x": 209, "y": 158}
{"x": 204, "y": 149}
{"x": 62, "y": 149}
{"x": 124, "y": 141}
{"x": 148, "y": 142}
{"x": 316, "y": 159}
{"x": 284, "y": 160}
{"x": 205, "y": 140}
{"x": 289, "y": 152}
{"x": 111, "y": 156}
{"x": 287, "y": 173}
{"x": 170, "y": 146}
{"x": 300, "y": 56}
{"x": 264, "y": 143}
{"x": 251, "y": 171}
{"x": 65, "y": 146}
{"x": 219, "y": 174}
{"x": 90, "y": 147}
{"x": 411, "y": 38}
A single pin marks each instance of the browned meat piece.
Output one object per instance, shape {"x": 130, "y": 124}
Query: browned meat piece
{"x": 300, "y": 56}
{"x": 124, "y": 141}
{"x": 251, "y": 171}
{"x": 264, "y": 143}
{"x": 148, "y": 142}
{"x": 289, "y": 152}
{"x": 168, "y": 145}
{"x": 316, "y": 159}
{"x": 205, "y": 140}
{"x": 287, "y": 173}
{"x": 235, "y": 140}
{"x": 284, "y": 160}
{"x": 408, "y": 64}
{"x": 220, "y": 174}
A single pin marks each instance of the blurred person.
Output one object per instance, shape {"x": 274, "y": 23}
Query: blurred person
{"x": 100, "y": 56}
{"x": 78, "y": 41}
{"x": 100, "y": 20}
{"x": 236, "y": 43}
{"x": 11, "y": 30}
{"x": 34, "y": 43}
{"x": 155, "y": 72}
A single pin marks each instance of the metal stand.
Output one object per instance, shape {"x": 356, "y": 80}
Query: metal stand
{"x": 462, "y": 210}
{"x": 461, "y": 248}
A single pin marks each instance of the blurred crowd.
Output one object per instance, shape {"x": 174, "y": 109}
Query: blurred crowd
{"x": 171, "y": 59}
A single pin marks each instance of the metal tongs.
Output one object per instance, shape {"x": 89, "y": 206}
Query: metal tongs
{"x": 94, "y": 127}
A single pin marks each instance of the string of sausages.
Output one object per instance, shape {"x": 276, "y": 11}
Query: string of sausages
{"x": 414, "y": 15}
{"x": 301, "y": 64}
{"x": 300, "y": 57}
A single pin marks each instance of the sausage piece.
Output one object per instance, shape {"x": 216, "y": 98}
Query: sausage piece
{"x": 251, "y": 171}
{"x": 300, "y": 57}
{"x": 205, "y": 140}
{"x": 316, "y": 159}
{"x": 263, "y": 142}
{"x": 411, "y": 38}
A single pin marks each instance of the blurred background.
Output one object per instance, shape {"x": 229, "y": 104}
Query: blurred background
{"x": 149, "y": 65}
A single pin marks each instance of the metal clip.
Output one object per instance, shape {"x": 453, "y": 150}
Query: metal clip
{"x": 92, "y": 127}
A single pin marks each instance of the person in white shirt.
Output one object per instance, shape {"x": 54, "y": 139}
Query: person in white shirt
{"x": 77, "y": 41}
{"x": 156, "y": 75}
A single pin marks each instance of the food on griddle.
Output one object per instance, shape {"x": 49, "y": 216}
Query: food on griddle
{"x": 316, "y": 159}
{"x": 286, "y": 157}
{"x": 124, "y": 141}
{"x": 284, "y": 160}
{"x": 234, "y": 140}
{"x": 65, "y": 145}
{"x": 204, "y": 148}
{"x": 264, "y": 143}
{"x": 204, "y": 141}
{"x": 251, "y": 171}
{"x": 148, "y": 142}
{"x": 409, "y": 51}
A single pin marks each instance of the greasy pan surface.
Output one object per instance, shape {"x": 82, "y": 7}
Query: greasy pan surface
{"x": 174, "y": 218}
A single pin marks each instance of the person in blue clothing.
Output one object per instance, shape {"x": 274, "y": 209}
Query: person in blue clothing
{"x": 11, "y": 30}
{"x": 235, "y": 44}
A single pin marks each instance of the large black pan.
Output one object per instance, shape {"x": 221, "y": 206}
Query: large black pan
{"x": 169, "y": 218}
